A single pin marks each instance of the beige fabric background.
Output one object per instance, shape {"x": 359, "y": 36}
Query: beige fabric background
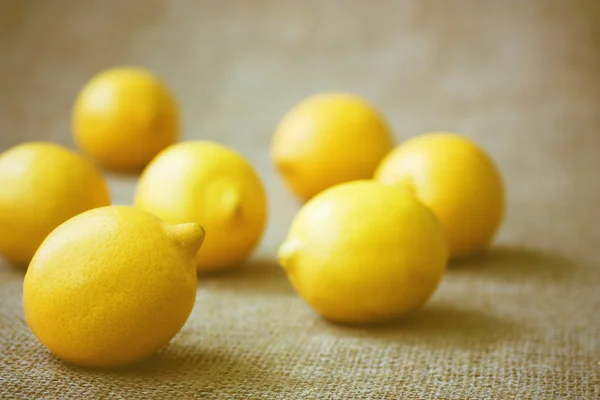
{"x": 522, "y": 77}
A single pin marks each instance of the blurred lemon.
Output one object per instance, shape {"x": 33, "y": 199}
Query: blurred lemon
{"x": 328, "y": 139}
{"x": 457, "y": 180}
{"x": 41, "y": 186}
{"x": 111, "y": 286}
{"x": 213, "y": 185}
{"x": 123, "y": 117}
{"x": 364, "y": 251}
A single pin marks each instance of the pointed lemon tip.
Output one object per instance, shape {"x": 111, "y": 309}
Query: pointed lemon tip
{"x": 231, "y": 203}
{"x": 188, "y": 236}
{"x": 407, "y": 183}
{"x": 287, "y": 253}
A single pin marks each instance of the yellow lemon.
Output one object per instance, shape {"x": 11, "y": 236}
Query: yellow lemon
{"x": 123, "y": 117}
{"x": 328, "y": 139}
{"x": 457, "y": 180}
{"x": 41, "y": 186}
{"x": 213, "y": 185}
{"x": 111, "y": 286}
{"x": 364, "y": 251}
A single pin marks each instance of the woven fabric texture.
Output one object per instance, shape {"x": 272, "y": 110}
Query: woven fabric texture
{"x": 522, "y": 78}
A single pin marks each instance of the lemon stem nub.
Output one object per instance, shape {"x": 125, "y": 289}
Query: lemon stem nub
{"x": 232, "y": 204}
{"x": 189, "y": 236}
{"x": 287, "y": 252}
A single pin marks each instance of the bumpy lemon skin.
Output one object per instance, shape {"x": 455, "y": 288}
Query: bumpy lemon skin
{"x": 111, "y": 286}
{"x": 458, "y": 180}
{"x": 123, "y": 117}
{"x": 42, "y": 185}
{"x": 213, "y": 185}
{"x": 327, "y": 139}
{"x": 364, "y": 252}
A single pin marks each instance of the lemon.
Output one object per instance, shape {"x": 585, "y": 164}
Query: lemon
{"x": 41, "y": 186}
{"x": 329, "y": 138}
{"x": 111, "y": 286}
{"x": 123, "y": 117}
{"x": 364, "y": 251}
{"x": 457, "y": 179}
{"x": 213, "y": 185}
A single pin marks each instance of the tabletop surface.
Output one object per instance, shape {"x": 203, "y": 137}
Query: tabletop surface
{"x": 521, "y": 78}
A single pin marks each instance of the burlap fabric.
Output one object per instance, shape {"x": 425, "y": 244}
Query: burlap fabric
{"x": 520, "y": 77}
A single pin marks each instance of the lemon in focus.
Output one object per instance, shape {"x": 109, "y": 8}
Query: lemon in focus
{"x": 327, "y": 139}
{"x": 123, "y": 117}
{"x": 457, "y": 179}
{"x": 41, "y": 186}
{"x": 364, "y": 251}
{"x": 111, "y": 286}
{"x": 213, "y": 185}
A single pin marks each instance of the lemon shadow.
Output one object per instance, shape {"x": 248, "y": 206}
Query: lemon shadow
{"x": 258, "y": 275}
{"x": 132, "y": 173}
{"x": 184, "y": 369}
{"x": 8, "y": 267}
{"x": 435, "y": 326}
{"x": 515, "y": 263}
